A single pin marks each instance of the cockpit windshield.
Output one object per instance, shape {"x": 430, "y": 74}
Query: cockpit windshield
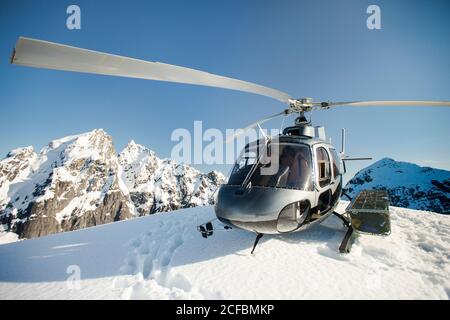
{"x": 280, "y": 165}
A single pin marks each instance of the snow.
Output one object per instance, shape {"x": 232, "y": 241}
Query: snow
{"x": 7, "y": 237}
{"x": 69, "y": 161}
{"x": 71, "y": 177}
{"x": 83, "y": 204}
{"x": 18, "y": 164}
{"x": 165, "y": 184}
{"x": 394, "y": 173}
{"x": 47, "y": 162}
{"x": 17, "y": 151}
{"x": 408, "y": 184}
{"x": 163, "y": 257}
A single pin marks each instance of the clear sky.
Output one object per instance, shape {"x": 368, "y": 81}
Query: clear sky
{"x": 319, "y": 49}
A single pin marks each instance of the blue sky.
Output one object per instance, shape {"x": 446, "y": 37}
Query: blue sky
{"x": 319, "y": 49}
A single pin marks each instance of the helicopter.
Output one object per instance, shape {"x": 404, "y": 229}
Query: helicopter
{"x": 282, "y": 184}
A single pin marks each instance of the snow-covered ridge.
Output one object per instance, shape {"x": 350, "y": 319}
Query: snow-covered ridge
{"x": 408, "y": 185}
{"x": 79, "y": 181}
{"x": 158, "y": 185}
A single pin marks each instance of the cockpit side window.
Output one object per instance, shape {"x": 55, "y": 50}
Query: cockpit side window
{"x": 243, "y": 166}
{"x": 323, "y": 165}
{"x": 335, "y": 157}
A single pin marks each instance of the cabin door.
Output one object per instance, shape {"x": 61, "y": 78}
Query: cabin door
{"x": 324, "y": 180}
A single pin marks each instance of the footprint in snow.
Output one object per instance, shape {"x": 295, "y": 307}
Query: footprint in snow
{"x": 147, "y": 272}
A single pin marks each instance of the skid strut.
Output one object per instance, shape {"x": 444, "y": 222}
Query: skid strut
{"x": 258, "y": 237}
{"x": 347, "y": 242}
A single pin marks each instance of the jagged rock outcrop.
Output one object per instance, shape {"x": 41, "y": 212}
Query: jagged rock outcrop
{"x": 408, "y": 185}
{"x": 71, "y": 184}
{"x": 158, "y": 185}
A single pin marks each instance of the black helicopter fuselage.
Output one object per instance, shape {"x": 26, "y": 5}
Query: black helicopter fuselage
{"x": 301, "y": 190}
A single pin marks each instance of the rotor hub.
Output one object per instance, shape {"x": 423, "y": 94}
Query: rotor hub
{"x": 306, "y": 105}
{"x": 301, "y": 105}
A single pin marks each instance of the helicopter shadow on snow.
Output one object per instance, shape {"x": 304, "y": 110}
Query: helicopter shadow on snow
{"x": 326, "y": 237}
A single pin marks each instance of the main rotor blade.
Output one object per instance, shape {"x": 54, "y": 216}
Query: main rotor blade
{"x": 240, "y": 132}
{"x": 49, "y": 55}
{"x": 389, "y": 103}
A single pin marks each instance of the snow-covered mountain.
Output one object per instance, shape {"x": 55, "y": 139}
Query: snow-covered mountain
{"x": 162, "y": 256}
{"x": 157, "y": 185}
{"x": 80, "y": 181}
{"x": 408, "y": 185}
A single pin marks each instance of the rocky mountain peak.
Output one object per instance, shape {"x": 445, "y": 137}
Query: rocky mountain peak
{"x": 17, "y": 165}
{"x": 158, "y": 185}
{"x": 21, "y": 152}
{"x": 408, "y": 185}
{"x": 96, "y": 144}
{"x": 72, "y": 183}
{"x": 134, "y": 152}
{"x": 79, "y": 181}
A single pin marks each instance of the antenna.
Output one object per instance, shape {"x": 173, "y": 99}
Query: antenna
{"x": 343, "y": 141}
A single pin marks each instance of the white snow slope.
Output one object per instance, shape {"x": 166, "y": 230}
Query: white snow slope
{"x": 163, "y": 257}
{"x": 409, "y": 185}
